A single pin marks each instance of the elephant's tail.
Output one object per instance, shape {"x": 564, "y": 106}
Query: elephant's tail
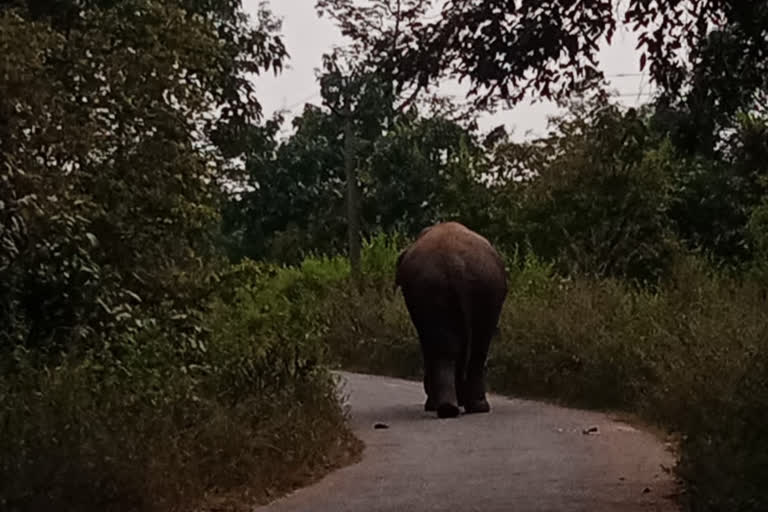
{"x": 466, "y": 319}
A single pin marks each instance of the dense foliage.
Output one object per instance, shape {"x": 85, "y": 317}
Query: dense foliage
{"x": 117, "y": 389}
{"x": 110, "y": 168}
{"x": 549, "y": 47}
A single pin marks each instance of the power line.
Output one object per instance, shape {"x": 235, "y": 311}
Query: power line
{"x": 621, "y": 75}
{"x": 314, "y": 95}
{"x": 638, "y": 94}
{"x": 299, "y": 103}
{"x": 631, "y": 94}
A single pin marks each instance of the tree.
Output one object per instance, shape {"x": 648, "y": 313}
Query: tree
{"x": 348, "y": 92}
{"x": 545, "y": 48}
{"x": 715, "y": 195}
{"x": 112, "y": 157}
{"x": 717, "y": 124}
{"x": 725, "y": 78}
{"x": 708, "y": 58}
{"x": 424, "y": 167}
{"x": 594, "y": 196}
{"x": 361, "y": 100}
{"x": 380, "y": 31}
{"x": 293, "y": 200}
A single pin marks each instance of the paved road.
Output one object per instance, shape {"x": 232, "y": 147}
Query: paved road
{"x": 523, "y": 456}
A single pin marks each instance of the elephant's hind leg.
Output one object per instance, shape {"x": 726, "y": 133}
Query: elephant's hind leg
{"x": 444, "y": 374}
{"x": 461, "y": 382}
{"x": 484, "y": 327}
{"x": 431, "y": 404}
{"x": 476, "y": 400}
{"x": 434, "y": 319}
{"x": 440, "y": 375}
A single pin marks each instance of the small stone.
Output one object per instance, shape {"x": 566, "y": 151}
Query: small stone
{"x": 646, "y": 490}
{"x": 591, "y": 431}
{"x": 380, "y": 425}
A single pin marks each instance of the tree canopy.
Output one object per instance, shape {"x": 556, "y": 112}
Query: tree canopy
{"x": 544, "y": 48}
{"x": 118, "y": 121}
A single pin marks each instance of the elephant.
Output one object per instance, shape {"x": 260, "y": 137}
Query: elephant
{"x": 454, "y": 284}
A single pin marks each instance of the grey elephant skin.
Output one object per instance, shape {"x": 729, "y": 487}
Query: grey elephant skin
{"x": 454, "y": 284}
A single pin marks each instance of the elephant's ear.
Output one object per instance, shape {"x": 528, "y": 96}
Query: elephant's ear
{"x": 400, "y": 257}
{"x": 397, "y": 269}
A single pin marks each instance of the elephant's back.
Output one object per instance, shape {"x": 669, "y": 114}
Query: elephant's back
{"x": 452, "y": 252}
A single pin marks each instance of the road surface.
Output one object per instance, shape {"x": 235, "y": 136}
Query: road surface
{"x": 523, "y": 456}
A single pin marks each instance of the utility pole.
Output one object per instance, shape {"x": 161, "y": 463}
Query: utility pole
{"x": 353, "y": 194}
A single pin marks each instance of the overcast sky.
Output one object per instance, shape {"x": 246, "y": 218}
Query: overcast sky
{"x": 307, "y": 37}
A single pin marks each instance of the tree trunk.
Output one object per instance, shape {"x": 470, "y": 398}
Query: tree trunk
{"x": 353, "y": 197}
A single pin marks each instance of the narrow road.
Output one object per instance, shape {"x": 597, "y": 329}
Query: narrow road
{"x": 523, "y": 456}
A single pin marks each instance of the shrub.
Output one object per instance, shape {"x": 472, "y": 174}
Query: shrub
{"x": 155, "y": 424}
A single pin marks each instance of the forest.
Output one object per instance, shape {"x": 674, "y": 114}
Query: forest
{"x": 178, "y": 277}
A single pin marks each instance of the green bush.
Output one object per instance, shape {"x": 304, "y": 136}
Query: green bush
{"x": 153, "y": 424}
{"x": 379, "y": 257}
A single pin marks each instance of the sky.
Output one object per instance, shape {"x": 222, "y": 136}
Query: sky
{"x": 307, "y": 37}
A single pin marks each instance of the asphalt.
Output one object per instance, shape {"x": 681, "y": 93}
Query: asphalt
{"x": 523, "y": 456}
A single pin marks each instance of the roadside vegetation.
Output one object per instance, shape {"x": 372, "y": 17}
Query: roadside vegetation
{"x": 139, "y": 370}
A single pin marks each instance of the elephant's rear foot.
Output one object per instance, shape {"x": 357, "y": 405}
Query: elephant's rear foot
{"x": 443, "y": 388}
{"x": 447, "y": 410}
{"x": 444, "y": 410}
{"x": 477, "y": 406}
